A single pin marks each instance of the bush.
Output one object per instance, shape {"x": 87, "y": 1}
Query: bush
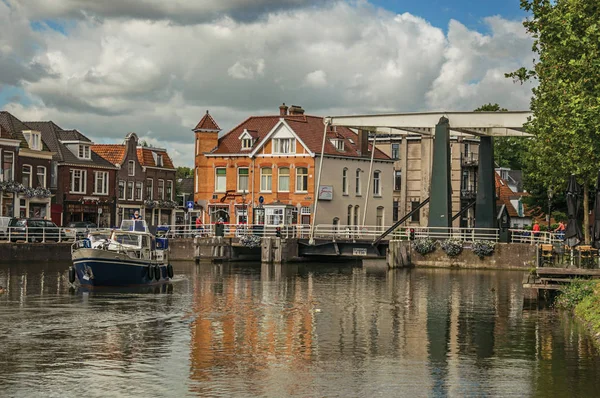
{"x": 250, "y": 241}
{"x": 452, "y": 247}
{"x": 423, "y": 245}
{"x": 574, "y": 293}
{"x": 483, "y": 248}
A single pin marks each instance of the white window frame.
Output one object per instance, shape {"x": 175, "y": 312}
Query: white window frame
{"x": 284, "y": 146}
{"x": 12, "y": 166}
{"x": 38, "y": 174}
{"x": 247, "y": 179}
{"x": 159, "y": 160}
{"x": 358, "y": 191}
{"x": 169, "y": 190}
{"x": 345, "y": 181}
{"x": 279, "y": 175}
{"x": 131, "y": 168}
{"x": 27, "y": 166}
{"x": 84, "y": 152}
{"x": 161, "y": 189}
{"x": 246, "y": 143}
{"x": 140, "y": 185}
{"x": 218, "y": 188}
{"x": 338, "y": 143}
{"x": 83, "y": 180}
{"x": 298, "y": 176}
{"x": 274, "y": 215}
{"x": 124, "y": 183}
{"x": 101, "y": 180}
{"x": 132, "y": 185}
{"x": 377, "y": 183}
{"x": 34, "y": 140}
{"x": 149, "y": 188}
{"x": 264, "y": 178}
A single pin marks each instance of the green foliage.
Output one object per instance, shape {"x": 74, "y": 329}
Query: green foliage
{"x": 566, "y": 102}
{"x": 423, "y": 246}
{"x": 573, "y": 293}
{"x": 483, "y": 248}
{"x": 589, "y": 310}
{"x": 184, "y": 172}
{"x": 452, "y": 247}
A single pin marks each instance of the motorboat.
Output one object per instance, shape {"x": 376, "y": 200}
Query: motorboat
{"x": 128, "y": 256}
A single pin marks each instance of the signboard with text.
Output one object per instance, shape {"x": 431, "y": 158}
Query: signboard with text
{"x": 326, "y": 192}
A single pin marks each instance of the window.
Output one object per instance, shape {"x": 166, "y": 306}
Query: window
{"x": 356, "y": 215}
{"x": 131, "y": 168}
{"x": 284, "y": 145}
{"x": 357, "y": 181}
{"x": 349, "y": 222}
{"x": 397, "y": 180}
{"x": 242, "y": 182}
{"x": 149, "y": 188}
{"x": 377, "y": 183}
{"x": 41, "y": 176}
{"x": 302, "y": 179}
{"x": 122, "y": 190}
{"x": 33, "y": 140}
{"x": 169, "y": 190}
{"x": 266, "y": 178}
{"x": 338, "y": 144}
{"x": 159, "y": 160}
{"x": 161, "y": 189}
{"x": 395, "y": 151}
{"x": 246, "y": 143}
{"x": 284, "y": 180}
{"x": 395, "y": 211}
{"x": 220, "y": 179}
{"x": 379, "y": 216}
{"x": 101, "y": 182}
{"x": 416, "y": 216}
{"x": 78, "y": 178}
{"x": 130, "y": 190}
{"x": 197, "y": 179}
{"x": 138, "y": 190}
{"x": 345, "y": 181}
{"x": 274, "y": 216}
{"x": 8, "y": 166}
{"x": 26, "y": 175}
{"x": 84, "y": 151}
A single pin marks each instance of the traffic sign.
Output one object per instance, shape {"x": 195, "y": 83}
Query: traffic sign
{"x": 189, "y": 204}
{"x": 261, "y": 199}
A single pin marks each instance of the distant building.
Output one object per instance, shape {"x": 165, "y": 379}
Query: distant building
{"x": 265, "y": 171}
{"x": 520, "y": 215}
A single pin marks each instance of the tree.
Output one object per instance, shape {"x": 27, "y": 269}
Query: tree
{"x": 508, "y": 151}
{"x": 184, "y": 172}
{"x": 566, "y": 103}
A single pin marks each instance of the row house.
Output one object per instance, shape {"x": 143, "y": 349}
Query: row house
{"x": 265, "y": 171}
{"x": 26, "y": 170}
{"x": 85, "y": 186}
{"x": 145, "y": 179}
{"x": 413, "y": 161}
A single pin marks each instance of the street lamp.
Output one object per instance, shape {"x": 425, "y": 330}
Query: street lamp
{"x": 550, "y": 195}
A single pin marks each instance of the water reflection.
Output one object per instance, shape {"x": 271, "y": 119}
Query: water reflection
{"x": 300, "y": 330}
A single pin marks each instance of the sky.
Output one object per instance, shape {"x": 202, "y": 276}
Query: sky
{"x": 154, "y": 67}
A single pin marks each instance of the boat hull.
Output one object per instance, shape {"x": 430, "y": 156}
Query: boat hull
{"x": 95, "y": 267}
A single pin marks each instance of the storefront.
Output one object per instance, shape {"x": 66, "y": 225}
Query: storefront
{"x": 218, "y": 213}
{"x": 126, "y": 212}
{"x": 19, "y": 205}
{"x": 89, "y": 210}
{"x": 158, "y": 216}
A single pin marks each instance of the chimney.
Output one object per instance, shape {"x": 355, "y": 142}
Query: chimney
{"x": 296, "y": 110}
{"x": 363, "y": 142}
{"x": 283, "y": 109}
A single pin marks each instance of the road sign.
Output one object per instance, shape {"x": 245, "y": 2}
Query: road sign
{"x": 261, "y": 199}
{"x": 359, "y": 251}
{"x": 189, "y": 204}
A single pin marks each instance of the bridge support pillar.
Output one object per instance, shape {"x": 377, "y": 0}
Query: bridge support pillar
{"x": 485, "y": 204}
{"x": 278, "y": 250}
{"x": 440, "y": 203}
{"x": 398, "y": 254}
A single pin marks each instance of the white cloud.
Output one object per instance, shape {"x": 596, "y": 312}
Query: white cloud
{"x": 114, "y": 75}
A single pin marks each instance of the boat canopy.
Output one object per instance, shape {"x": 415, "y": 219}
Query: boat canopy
{"x": 134, "y": 225}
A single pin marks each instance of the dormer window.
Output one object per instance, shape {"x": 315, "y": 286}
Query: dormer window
{"x": 84, "y": 151}
{"x": 338, "y": 144}
{"x": 158, "y": 159}
{"x": 34, "y": 140}
{"x": 246, "y": 143}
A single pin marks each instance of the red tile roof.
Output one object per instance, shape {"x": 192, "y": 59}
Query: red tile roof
{"x": 146, "y": 159}
{"x": 308, "y": 128}
{"x": 207, "y": 123}
{"x": 505, "y": 194}
{"x": 114, "y": 153}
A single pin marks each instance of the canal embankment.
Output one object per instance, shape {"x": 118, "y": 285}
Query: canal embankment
{"x": 582, "y": 298}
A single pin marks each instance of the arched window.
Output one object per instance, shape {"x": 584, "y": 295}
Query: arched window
{"x": 26, "y": 175}
{"x": 377, "y": 183}
{"x": 358, "y": 171}
{"x": 336, "y": 223}
{"x": 380, "y": 215}
{"x": 266, "y": 179}
{"x": 356, "y": 215}
{"x": 349, "y": 215}
{"x": 283, "y": 184}
{"x": 345, "y": 181}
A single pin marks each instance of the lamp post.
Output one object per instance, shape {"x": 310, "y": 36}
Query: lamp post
{"x": 550, "y": 195}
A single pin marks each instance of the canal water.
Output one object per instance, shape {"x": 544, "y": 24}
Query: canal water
{"x": 319, "y": 330}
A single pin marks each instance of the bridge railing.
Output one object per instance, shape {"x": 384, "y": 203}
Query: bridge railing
{"x": 349, "y": 231}
{"x": 463, "y": 234}
{"x": 531, "y": 237}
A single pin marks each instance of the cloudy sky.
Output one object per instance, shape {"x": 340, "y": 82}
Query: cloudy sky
{"x": 154, "y": 67}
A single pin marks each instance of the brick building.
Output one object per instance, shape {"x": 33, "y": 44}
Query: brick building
{"x": 264, "y": 171}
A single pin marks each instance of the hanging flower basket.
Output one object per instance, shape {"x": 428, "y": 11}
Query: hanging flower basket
{"x": 149, "y": 203}
{"x": 17, "y": 187}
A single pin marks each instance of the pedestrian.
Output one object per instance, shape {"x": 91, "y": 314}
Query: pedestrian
{"x": 536, "y": 229}
{"x": 136, "y": 216}
{"x": 560, "y": 230}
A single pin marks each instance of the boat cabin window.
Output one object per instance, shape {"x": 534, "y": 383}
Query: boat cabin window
{"x": 134, "y": 225}
{"x": 128, "y": 239}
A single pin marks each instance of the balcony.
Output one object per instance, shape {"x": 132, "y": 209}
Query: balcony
{"x": 469, "y": 159}
{"x": 468, "y": 192}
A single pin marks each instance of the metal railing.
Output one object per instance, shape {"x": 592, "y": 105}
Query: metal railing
{"x": 460, "y": 233}
{"x": 531, "y": 237}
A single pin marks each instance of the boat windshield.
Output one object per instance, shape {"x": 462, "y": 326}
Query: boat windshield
{"x": 134, "y": 225}
{"x": 127, "y": 239}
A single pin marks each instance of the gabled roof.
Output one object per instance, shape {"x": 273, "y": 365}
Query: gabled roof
{"x": 207, "y": 123}
{"x": 186, "y": 185}
{"x": 309, "y": 129}
{"x": 13, "y": 129}
{"x": 73, "y": 135}
{"x": 49, "y": 131}
{"x": 146, "y": 158}
{"x": 113, "y": 153}
{"x": 505, "y": 195}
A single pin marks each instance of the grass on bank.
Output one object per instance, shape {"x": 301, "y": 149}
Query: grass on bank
{"x": 582, "y": 297}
